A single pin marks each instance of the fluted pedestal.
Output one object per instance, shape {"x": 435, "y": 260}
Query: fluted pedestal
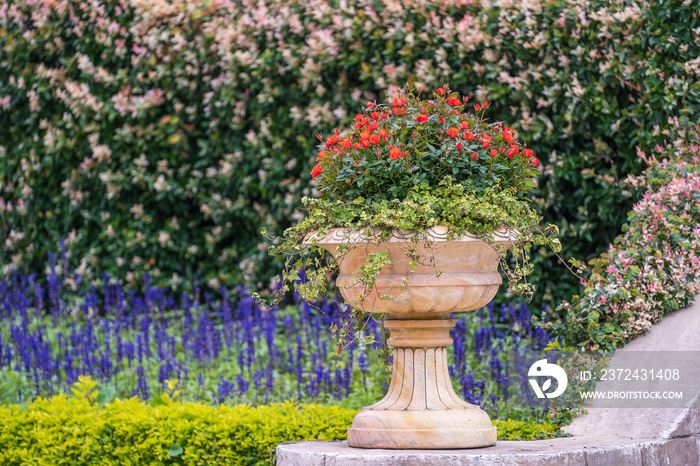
{"x": 421, "y": 409}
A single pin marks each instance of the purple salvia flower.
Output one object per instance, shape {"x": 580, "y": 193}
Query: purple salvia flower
{"x": 142, "y": 384}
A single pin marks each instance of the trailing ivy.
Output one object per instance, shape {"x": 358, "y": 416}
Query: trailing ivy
{"x": 461, "y": 210}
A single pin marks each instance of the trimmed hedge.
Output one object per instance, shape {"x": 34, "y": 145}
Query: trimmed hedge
{"x": 158, "y": 137}
{"x": 64, "y": 430}
{"x": 74, "y": 430}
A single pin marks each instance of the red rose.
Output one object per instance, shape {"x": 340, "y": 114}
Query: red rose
{"x": 333, "y": 140}
{"x": 453, "y": 132}
{"x": 422, "y": 118}
{"x": 395, "y": 153}
{"x": 316, "y": 170}
{"x": 454, "y": 101}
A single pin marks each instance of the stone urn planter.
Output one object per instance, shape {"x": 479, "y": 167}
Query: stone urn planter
{"x": 421, "y": 410}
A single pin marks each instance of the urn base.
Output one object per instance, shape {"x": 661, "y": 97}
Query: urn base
{"x": 445, "y": 429}
{"x": 421, "y": 409}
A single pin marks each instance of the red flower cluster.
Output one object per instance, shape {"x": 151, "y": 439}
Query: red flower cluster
{"x": 377, "y": 136}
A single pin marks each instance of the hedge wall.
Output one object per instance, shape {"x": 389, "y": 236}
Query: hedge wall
{"x": 159, "y": 136}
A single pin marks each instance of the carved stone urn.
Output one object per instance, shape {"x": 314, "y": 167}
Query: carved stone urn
{"x": 421, "y": 409}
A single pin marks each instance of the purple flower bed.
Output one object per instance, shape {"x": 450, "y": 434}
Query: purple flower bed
{"x": 135, "y": 342}
{"x": 228, "y": 349}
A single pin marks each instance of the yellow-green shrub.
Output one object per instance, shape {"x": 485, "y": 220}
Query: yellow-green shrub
{"x": 521, "y": 430}
{"x": 64, "y": 430}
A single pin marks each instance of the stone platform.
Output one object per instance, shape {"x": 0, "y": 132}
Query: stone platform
{"x": 604, "y": 436}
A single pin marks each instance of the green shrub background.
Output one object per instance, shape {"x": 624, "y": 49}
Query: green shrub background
{"x": 158, "y": 137}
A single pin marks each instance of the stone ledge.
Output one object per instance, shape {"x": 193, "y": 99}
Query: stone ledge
{"x": 685, "y": 451}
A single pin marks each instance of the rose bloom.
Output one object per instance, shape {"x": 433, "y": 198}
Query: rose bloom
{"x": 394, "y": 153}
{"x": 316, "y": 170}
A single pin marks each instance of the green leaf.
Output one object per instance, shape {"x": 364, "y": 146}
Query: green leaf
{"x": 175, "y": 450}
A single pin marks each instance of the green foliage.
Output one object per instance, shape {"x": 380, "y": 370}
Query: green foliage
{"x": 64, "y": 430}
{"x": 527, "y": 430}
{"x": 85, "y": 388}
{"x": 653, "y": 267}
{"x": 166, "y": 137}
{"x": 460, "y": 208}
